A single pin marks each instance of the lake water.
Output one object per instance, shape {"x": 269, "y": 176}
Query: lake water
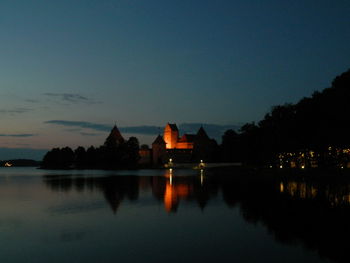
{"x": 169, "y": 216}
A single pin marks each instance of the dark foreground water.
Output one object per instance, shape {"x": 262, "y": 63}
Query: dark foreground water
{"x": 163, "y": 216}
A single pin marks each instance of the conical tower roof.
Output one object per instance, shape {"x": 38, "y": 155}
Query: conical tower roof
{"x": 115, "y": 136}
{"x": 201, "y": 134}
{"x": 159, "y": 140}
{"x": 172, "y": 126}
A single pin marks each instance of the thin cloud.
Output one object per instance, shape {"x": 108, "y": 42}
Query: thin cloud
{"x": 15, "y": 111}
{"x": 81, "y": 124}
{"x": 146, "y": 130}
{"x": 70, "y": 98}
{"x": 21, "y": 135}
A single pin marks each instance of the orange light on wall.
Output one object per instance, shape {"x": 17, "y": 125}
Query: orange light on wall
{"x": 184, "y": 145}
{"x": 171, "y": 136}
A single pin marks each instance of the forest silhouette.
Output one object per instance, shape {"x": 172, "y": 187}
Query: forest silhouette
{"x": 111, "y": 155}
{"x": 318, "y": 123}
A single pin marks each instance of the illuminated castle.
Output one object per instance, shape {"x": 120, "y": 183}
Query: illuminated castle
{"x": 173, "y": 141}
{"x": 187, "y": 148}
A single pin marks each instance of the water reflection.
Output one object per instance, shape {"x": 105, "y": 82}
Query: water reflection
{"x": 172, "y": 189}
{"x": 168, "y": 189}
{"x": 331, "y": 194}
{"x": 314, "y": 213}
{"x": 114, "y": 188}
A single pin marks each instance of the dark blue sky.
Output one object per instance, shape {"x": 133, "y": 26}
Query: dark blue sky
{"x": 149, "y": 62}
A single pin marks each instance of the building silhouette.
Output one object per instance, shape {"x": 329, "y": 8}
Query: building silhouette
{"x": 182, "y": 149}
{"x": 115, "y": 137}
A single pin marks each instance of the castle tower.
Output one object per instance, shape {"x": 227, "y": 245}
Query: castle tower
{"x": 114, "y": 138}
{"x": 204, "y": 147}
{"x": 159, "y": 154}
{"x": 171, "y": 135}
{"x": 202, "y": 135}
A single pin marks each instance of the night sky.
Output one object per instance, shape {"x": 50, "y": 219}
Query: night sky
{"x": 70, "y": 70}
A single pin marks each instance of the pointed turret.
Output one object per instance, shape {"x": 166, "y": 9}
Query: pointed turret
{"x": 201, "y": 134}
{"x": 159, "y": 140}
{"x": 115, "y": 137}
{"x": 204, "y": 147}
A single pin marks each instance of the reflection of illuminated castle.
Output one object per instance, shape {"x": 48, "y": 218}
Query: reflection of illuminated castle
{"x": 171, "y": 190}
{"x": 187, "y": 148}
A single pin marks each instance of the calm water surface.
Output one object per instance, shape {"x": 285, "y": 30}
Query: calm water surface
{"x": 163, "y": 216}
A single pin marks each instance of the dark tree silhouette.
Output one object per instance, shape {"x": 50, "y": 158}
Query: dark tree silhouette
{"x": 230, "y": 148}
{"x": 317, "y": 122}
{"x": 59, "y": 158}
{"x": 111, "y": 155}
{"x": 80, "y": 157}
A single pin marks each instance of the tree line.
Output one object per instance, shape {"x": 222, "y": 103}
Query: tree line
{"x": 318, "y": 123}
{"x": 111, "y": 155}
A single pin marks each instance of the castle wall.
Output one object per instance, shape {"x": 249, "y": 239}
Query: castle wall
{"x": 180, "y": 155}
{"x": 170, "y": 137}
{"x": 159, "y": 154}
{"x": 145, "y": 156}
{"x": 184, "y": 145}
